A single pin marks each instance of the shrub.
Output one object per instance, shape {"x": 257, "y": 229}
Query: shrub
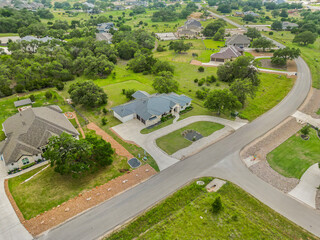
{"x": 201, "y": 82}
{"x": 217, "y": 205}
{"x": 28, "y": 165}
{"x": 19, "y": 88}
{"x": 201, "y": 69}
{"x": 161, "y": 48}
{"x": 48, "y": 95}
{"x": 211, "y": 79}
{"x": 32, "y": 98}
{"x": 105, "y": 111}
{"x": 104, "y": 121}
{"x": 59, "y": 85}
{"x": 305, "y": 130}
{"x": 196, "y": 80}
{"x": 270, "y": 33}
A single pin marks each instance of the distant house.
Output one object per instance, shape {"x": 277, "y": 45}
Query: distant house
{"x": 33, "y": 47}
{"x": 22, "y": 103}
{"x": 251, "y": 13}
{"x": 289, "y": 25}
{"x": 190, "y": 29}
{"x": 118, "y": 7}
{"x": 27, "y": 134}
{"x": 239, "y": 40}
{"x": 149, "y": 109}
{"x": 238, "y": 14}
{"x": 105, "y": 27}
{"x": 89, "y": 5}
{"x": 166, "y": 36}
{"x": 104, "y": 37}
{"x": 227, "y": 54}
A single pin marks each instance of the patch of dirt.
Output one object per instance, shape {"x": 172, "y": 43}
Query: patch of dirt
{"x": 290, "y": 67}
{"x": 261, "y": 54}
{"x": 83, "y": 201}
{"x": 196, "y": 62}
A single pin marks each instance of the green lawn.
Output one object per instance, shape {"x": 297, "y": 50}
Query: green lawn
{"x": 49, "y": 189}
{"x": 8, "y": 34}
{"x": 293, "y": 157}
{"x": 310, "y": 53}
{"x": 187, "y": 215}
{"x": 174, "y": 141}
{"x": 271, "y": 91}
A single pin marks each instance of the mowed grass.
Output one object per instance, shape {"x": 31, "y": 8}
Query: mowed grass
{"x": 187, "y": 215}
{"x": 293, "y": 157}
{"x": 49, "y": 189}
{"x": 174, "y": 141}
{"x": 272, "y": 90}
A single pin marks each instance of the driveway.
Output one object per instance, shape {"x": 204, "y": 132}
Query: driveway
{"x": 306, "y": 190}
{"x": 10, "y": 225}
{"x": 130, "y": 131}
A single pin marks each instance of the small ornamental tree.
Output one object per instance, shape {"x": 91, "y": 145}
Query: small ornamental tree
{"x": 217, "y": 205}
{"x": 201, "y": 69}
{"x": 305, "y": 130}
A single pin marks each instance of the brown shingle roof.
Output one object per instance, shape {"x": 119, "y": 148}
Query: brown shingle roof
{"x": 228, "y": 53}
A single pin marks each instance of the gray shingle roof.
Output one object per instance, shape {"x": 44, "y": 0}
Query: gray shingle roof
{"x": 151, "y": 105}
{"x": 140, "y": 94}
{"x": 238, "y": 39}
{"x": 22, "y": 102}
{"x": 227, "y": 53}
{"x": 30, "y": 129}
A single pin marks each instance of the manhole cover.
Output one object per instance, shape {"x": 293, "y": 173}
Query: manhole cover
{"x": 200, "y": 183}
{"x": 134, "y": 163}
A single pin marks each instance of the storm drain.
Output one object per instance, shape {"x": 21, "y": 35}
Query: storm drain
{"x": 134, "y": 163}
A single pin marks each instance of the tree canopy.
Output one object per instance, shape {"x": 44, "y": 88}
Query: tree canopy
{"x": 87, "y": 94}
{"x": 305, "y": 38}
{"x": 263, "y": 43}
{"x": 212, "y": 28}
{"x": 165, "y": 83}
{"x": 281, "y": 56}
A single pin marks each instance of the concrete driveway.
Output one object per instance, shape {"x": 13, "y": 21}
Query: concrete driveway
{"x": 130, "y": 131}
{"x": 306, "y": 190}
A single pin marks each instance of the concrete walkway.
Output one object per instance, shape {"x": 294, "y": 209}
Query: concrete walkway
{"x": 130, "y": 131}
{"x": 10, "y": 226}
{"x": 306, "y": 190}
{"x": 305, "y": 118}
{"x": 277, "y": 71}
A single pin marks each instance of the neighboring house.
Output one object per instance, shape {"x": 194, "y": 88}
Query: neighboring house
{"x": 227, "y": 54}
{"x": 289, "y": 25}
{"x": 191, "y": 28}
{"x": 238, "y": 14}
{"x": 239, "y": 40}
{"x": 89, "y": 5}
{"x": 27, "y": 134}
{"x": 251, "y": 13}
{"x": 4, "y": 40}
{"x": 166, "y": 36}
{"x": 149, "y": 109}
{"x": 33, "y": 46}
{"x": 118, "y": 8}
{"x": 105, "y": 27}
{"x": 136, "y": 3}
{"x": 23, "y": 102}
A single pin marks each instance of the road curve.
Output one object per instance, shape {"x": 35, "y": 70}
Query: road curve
{"x": 219, "y": 160}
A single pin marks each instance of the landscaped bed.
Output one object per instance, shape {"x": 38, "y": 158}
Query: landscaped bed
{"x": 175, "y": 141}
{"x": 293, "y": 157}
{"x": 187, "y": 214}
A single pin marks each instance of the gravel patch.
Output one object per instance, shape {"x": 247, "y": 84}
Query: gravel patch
{"x": 266, "y": 173}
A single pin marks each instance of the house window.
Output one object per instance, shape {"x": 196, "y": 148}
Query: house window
{"x": 25, "y": 161}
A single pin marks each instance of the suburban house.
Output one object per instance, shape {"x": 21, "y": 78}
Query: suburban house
{"x": 27, "y": 134}
{"x": 238, "y": 40}
{"x": 104, "y": 34}
{"x": 251, "y": 13}
{"x": 149, "y": 109}
{"x": 105, "y": 27}
{"x": 33, "y": 46}
{"x": 191, "y": 28}
{"x": 227, "y": 54}
{"x": 238, "y": 14}
{"x": 289, "y": 25}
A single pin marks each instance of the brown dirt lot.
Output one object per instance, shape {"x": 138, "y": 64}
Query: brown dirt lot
{"x": 83, "y": 201}
{"x": 290, "y": 67}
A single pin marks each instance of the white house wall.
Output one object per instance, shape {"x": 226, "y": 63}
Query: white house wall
{"x": 123, "y": 119}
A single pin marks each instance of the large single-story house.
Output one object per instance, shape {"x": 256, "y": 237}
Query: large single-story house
{"x": 289, "y": 25}
{"x": 190, "y": 29}
{"x": 149, "y": 109}
{"x": 238, "y": 40}
{"x": 166, "y": 36}
{"x": 27, "y": 134}
{"x": 227, "y": 54}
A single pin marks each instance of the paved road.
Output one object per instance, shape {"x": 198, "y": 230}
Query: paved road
{"x": 220, "y": 160}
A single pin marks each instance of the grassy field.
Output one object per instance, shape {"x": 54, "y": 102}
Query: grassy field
{"x": 293, "y": 157}
{"x": 309, "y": 53}
{"x": 187, "y": 215}
{"x": 174, "y": 141}
{"x": 49, "y": 189}
{"x": 271, "y": 91}
{"x": 8, "y": 34}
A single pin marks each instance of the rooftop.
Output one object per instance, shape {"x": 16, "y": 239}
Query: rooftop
{"x": 227, "y": 53}
{"x": 22, "y": 102}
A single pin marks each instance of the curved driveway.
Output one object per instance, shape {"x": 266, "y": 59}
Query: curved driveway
{"x": 219, "y": 160}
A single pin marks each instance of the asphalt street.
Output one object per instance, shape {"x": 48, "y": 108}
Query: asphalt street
{"x": 219, "y": 160}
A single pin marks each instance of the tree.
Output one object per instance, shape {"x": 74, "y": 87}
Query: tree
{"x": 281, "y": 56}
{"x": 70, "y": 156}
{"x": 275, "y": 13}
{"x": 305, "y": 38}
{"x": 221, "y": 100}
{"x": 87, "y": 94}
{"x": 162, "y": 66}
{"x": 253, "y": 33}
{"x": 263, "y": 43}
{"x": 179, "y": 46}
{"x": 127, "y": 49}
{"x": 276, "y": 25}
{"x": 284, "y": 13}
{"x": 241, "y": 88}
{"x": 48, "y": 95}
{"x": 217, "y": 205}
{"x": 219, "y": 35}
{"x": 211, "y": 29}
{"x": 164, "y": 83}
{"x": 129, "y": 93}
{"x": 305, "y": 130}
{"x": 201, "y": 69}
{"x": 224, "y": 8}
